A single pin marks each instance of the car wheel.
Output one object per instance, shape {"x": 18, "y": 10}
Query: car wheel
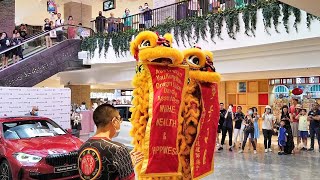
{"x": 5, "y": 171}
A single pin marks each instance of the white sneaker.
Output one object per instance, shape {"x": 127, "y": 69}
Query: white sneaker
{"x": 270, "y": 150}
{"x": 254, "y": 152}
{"x": 241, "y": 151}
{"x": 266, "y": 150}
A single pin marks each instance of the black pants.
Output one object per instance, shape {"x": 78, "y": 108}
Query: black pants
{"x": 267, "y": 138}
{"x": 59, "y": 36}
{"x": 224, "y": 134}
{"x": 314, "y": 131}
{"x": 246, "y": 135}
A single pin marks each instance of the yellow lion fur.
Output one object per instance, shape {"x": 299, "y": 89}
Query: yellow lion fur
{"x": 139, "y": 117}
{"x": 191, "y": 112}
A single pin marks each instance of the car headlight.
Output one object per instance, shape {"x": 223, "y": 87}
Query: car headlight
{"x": 23, "y": 157}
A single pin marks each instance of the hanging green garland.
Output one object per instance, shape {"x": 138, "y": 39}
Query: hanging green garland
{"x": 183, "y": 29}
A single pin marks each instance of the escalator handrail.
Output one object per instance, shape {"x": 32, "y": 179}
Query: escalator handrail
{"x": 42, "y": 34}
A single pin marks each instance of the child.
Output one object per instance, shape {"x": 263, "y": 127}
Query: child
{"x": 282, "y": 138}
{"x": 303, "y": 128}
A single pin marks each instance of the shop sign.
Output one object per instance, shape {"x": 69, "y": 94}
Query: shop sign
{"x": 299, "y": 80}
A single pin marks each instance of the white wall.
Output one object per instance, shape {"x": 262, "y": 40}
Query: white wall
{"x": 33, "y": 12}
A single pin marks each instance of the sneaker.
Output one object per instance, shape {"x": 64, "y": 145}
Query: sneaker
{"x": 241, "y": 151}
{"x": 280, "y": 153}
{"x": 310, "y": 149}
{"x": 254, "y": 152}
{"x": 266, "y": 150}
{"x": 230, "y": 149}
{"x": 220, "y": 149}
{"x": 270, "y": 150}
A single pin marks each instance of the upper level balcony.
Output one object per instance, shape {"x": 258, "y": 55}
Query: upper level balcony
{"x": 220, "y": 28}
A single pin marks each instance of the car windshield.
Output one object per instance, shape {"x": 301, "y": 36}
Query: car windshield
{"x": 31, "y": 129}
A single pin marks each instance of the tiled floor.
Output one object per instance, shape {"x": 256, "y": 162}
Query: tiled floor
{"x": 234, "y": 166}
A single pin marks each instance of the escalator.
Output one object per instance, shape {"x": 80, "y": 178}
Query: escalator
{"x": 40, "y": 62}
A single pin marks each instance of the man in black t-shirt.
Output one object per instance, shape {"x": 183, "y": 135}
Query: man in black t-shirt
{"x": 99, "y": 157}
{"x": 221, "y": 121}
{"x": 314, "y": 118}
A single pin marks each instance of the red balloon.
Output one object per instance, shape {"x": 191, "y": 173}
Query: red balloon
{"x": 297, "y": 91}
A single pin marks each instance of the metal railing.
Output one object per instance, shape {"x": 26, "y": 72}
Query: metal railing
{"x": 37, "y": 42}
{"x": 153, "y": 17}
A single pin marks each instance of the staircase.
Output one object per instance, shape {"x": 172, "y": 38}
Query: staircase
{"x": 43, "y": 63}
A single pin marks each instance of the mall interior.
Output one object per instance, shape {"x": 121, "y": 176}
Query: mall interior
{"x": 266, "y": 51}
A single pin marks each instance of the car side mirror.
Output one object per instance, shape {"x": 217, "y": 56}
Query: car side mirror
{"x": 69, "y": 131}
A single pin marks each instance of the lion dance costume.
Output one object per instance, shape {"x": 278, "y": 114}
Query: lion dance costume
{"x": 163, "y": 99}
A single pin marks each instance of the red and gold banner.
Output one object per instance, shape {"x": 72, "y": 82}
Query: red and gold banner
{"x": 202, "y": 151}
{"x": 166, "y": 86}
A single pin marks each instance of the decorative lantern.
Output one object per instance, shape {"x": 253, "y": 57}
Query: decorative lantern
{"x": 297, "y": 91}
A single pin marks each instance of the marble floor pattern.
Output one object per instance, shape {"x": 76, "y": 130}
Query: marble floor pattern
{"x": 232, "y": 165}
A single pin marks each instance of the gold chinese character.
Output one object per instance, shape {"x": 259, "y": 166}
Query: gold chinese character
{"x": 198, "y": 162}
{"x": 204, "y": 157}
{"x": 164, "y": 136}
{"x": 197, "y": 155}
{"x": 198, "y": 149}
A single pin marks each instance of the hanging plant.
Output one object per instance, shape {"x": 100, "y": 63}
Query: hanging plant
{"x": 219, "y": 25}
{"x": 286, "y": 11}
{"x": 271, "y": 12}
{"x": 100, "y": 44}
{"x": 106, "y": 44}
{"x": 211, "y": 25}
{"x": 232, "y": 22}
{"x": 297, "y": 15}
{"x": 200, "y": 28}
{"x": 246, "y": 20}
{"x": 253, "y": 20}
{"x": 176, "y": 33}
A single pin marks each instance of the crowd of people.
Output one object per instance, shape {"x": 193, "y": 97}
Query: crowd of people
{"x": 294, "y": 121}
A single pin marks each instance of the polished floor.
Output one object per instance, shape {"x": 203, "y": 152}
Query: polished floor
{"x": 234, "y": 166}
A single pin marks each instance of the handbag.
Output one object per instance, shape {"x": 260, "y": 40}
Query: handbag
{"x": 248, "y": 129}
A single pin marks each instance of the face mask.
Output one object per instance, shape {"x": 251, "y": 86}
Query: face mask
{"x": 250, "y": 112}
{"x": 268, "y": 111}
{"x": 117, "y": 132}
{"x": 77, "y": 110}
{"x": 36, "y": 113}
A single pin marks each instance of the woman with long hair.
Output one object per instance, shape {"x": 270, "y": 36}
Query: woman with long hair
{"x": 285, "y": 116}
{"x": 267, "y": 127}
{"x": 256, "y": 124}
{"x": 71, "y": 30}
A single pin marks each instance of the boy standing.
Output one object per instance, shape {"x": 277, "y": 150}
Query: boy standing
{"x": 282, "y": 138}
{"x": 303, "y": 128}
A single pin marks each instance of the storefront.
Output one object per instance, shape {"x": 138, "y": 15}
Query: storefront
{"x": 117, "y": 95}
{"x": 305, "y": 89}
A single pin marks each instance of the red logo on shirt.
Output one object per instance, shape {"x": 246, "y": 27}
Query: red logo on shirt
{"x": 89, "y": 163}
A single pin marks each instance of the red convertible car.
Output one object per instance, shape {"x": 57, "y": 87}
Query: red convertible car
{"x": 36, "y": 148}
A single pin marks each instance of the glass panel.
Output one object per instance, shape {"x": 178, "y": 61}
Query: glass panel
{"x": 289, "y": 81}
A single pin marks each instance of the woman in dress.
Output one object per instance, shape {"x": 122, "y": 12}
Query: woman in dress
{"x": 71, "y": 30}
{"x": 255, "y": 124}
{"x": 286, "y": 118}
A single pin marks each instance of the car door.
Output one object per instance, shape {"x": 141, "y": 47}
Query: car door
{"x": 124, "y": 135}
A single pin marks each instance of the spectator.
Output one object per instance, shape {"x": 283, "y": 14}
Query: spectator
{"x": 48, "y": 27}
{"x": 34, "y": 111}
{"x": 115, "y": 162}
{"x": 267, "y": 126}
{"x": 227, "y": 127}
{"x": 147, "y": 14}
{"x": 71, "y": 30}
{"x": 23, "y": 31}
{"x": 303, "y": 128}
{"x": 59, "y": 30}
{"x": 221, "y": 120}
{"x": 112, "y": 23}
{"x": 5, "y": 44}
{"x": 83, "y": 106}
{"x": 249, "y": 130}
{"x": 127, "y": 20}
{"x": 282, "y": 138}
{"x": 256, "y": 124}
{"x": 193, "y": 7}
{"x": 76, "y": 118}
{"x": 141, "y": 18}
{"x": 100, "y": 23}
{"x": 285, "y": 117}
{"x": 314, "y": 118}
{"x": 17, "y": 52}
{"x": 294, "y": 111}
{"x": 80, "y": 31}
{"x": 239, "y": 117}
